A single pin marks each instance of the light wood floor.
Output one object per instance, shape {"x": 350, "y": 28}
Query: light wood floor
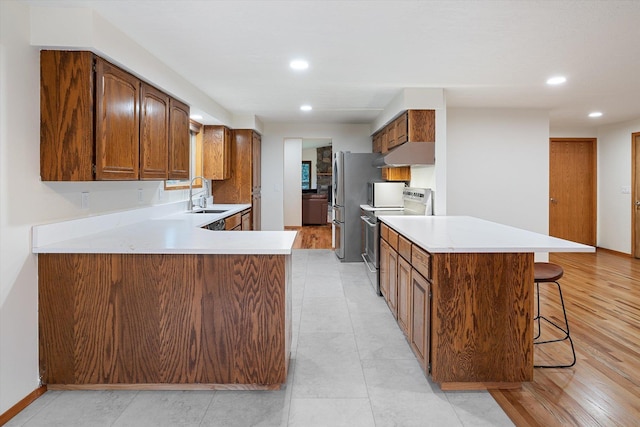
{"x": 602, "y": 297}
{"x": 312, "y": 237}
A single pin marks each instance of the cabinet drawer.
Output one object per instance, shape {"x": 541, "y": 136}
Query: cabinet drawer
{"x": 384, "y": 232}
{"x": 421, "y": 261}
{"x": 404, "y": 248}
{"x": 231, "y": 222}
{"x": 393, "y": 239}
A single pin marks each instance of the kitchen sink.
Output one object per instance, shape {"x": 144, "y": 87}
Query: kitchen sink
{"x": 211, "y": 211}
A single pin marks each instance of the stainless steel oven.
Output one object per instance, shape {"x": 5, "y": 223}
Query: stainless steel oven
{"x": 417, "y": 201}
{"x": 371, "y": 246}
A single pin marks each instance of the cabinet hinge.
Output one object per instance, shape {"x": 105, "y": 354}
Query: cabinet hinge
{"x": 93, "y": 169}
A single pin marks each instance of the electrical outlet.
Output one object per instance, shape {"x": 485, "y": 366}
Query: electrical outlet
{"x": 84, "y": 200}
{"x": 140, "y": 196}
{"x": 625, "y": 189}
{"x": 160, "y": 193}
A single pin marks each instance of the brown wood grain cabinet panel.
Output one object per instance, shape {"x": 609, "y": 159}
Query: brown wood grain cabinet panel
{"x": 117, "y": 123}
{"x": 216, "y": 152}
{"x": 421, "y": 126}
{"x": 244, "y": 185}
{"x": 420, "y": 318}
{"x": 481, "y": 324}
{"x": 404, "y": 247}
{"x": 421, "y": 261}
{"x": 404, "y": 295}
{"x": 233, "y": 221}
{"x": 164, "y": 319}
{"x": 398, "y": 173}
{"x": 154, "y": 133}
{"x": 179, "y": 140}
{"x": 393, "y": 282}
{"x": 67, "y": 149}
{"x": 393, "y": 239}
{"x": 384, "y": 269}
{"x": 246, "y": 220}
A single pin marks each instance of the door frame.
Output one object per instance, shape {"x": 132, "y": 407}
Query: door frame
{"x": 634, "y": 186}
{"x": 594, "y": 172}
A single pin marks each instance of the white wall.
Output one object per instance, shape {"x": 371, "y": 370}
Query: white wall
{"x": 291, "y": 177}
{"x": 614, "y": 171}
{"x": 498, "y": 166}
{"x": 355, "y": 138}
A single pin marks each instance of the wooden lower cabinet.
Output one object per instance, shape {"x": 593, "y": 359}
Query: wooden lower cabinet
{"x": 392, "y": 301}
{"x": 384, "y": 268}
{"x": 233, "y": 222}
{"x": 246, "y": 220}
{"x": 467, "y": 316}
{"x": 176, "y": 321}
{"x": 420, "y": 318}
{"x": 404, "y": 295}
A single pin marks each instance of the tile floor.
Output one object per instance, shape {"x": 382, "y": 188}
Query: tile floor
{"x": 351, "y": 366}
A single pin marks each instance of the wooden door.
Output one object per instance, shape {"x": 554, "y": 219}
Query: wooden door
{"x": 117, "y": 123}
{"x": 154, "y": 133}
{"x": 635, "y": 193}
{"x": 179, "y": 140}
{"x": 572, "y": 189}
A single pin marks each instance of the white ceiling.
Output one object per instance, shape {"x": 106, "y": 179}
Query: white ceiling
{"x": 362, "y": 53}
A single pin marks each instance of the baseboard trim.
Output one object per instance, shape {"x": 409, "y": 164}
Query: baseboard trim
{"x": 26, "y": 401}
{"x": 612, "y": 252}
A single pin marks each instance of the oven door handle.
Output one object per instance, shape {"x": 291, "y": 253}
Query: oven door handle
{"x": 366, "y": 262}
{"x": 369, "y": 223}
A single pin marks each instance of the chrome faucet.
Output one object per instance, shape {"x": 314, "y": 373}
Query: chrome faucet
{"x": 206, "y": 192}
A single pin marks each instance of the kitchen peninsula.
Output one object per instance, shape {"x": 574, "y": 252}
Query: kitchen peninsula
{"x": 461, "y": 289}
{"x": 162, "y": 303}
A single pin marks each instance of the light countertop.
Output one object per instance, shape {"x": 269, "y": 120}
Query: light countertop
{"x": 444, "y": 234}
{"x": 176, "y": 233}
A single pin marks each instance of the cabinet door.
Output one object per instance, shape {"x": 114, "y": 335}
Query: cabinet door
{"x": 216, "y": 152}
{"x": 420, "y": 318}
{"x": 246, "y": 220}
{"x": 179, "y": 146}
{"x": 401, "y": 128}
{"x": 384, "y": 269}
{"x": 404, "y": 295}
{"x": 154, "y": 134}
{"x": 393, "y": 282}
{"x": 117, "y": 123}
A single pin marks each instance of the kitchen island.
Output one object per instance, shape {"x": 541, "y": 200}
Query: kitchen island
{"x": 464, "y": 296}
{"x": 164, "y": 304}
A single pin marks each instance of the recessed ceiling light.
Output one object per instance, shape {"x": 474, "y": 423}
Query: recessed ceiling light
{"x": 299, "y": 64}
{"x": 195, "y": 117}
{"x": 595, "y": 114}
{"x": 306, "y": 108}
{"x": 557, "y": 80}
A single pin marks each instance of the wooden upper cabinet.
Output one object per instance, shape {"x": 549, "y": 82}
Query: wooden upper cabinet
{"x": 67, "y": 148}
{"x": 179, "y": 137}
{"x": 421, "y": 125}
{"x": 154, "y": 133}
{"x": 400, "y": 126}
{"x": 216, "y": 152}
{"x": 99, "y": 122}
{"x": 377, "y": 142}
{"x": 117, "y": 123}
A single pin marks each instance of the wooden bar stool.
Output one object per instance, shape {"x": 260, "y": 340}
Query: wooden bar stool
{"x": 546, "y": 272}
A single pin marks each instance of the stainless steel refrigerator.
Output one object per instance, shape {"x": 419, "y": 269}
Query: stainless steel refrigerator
{"x": 351, "y": 173}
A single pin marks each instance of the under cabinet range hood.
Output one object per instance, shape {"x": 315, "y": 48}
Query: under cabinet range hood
{"x": 407, "y": 154}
